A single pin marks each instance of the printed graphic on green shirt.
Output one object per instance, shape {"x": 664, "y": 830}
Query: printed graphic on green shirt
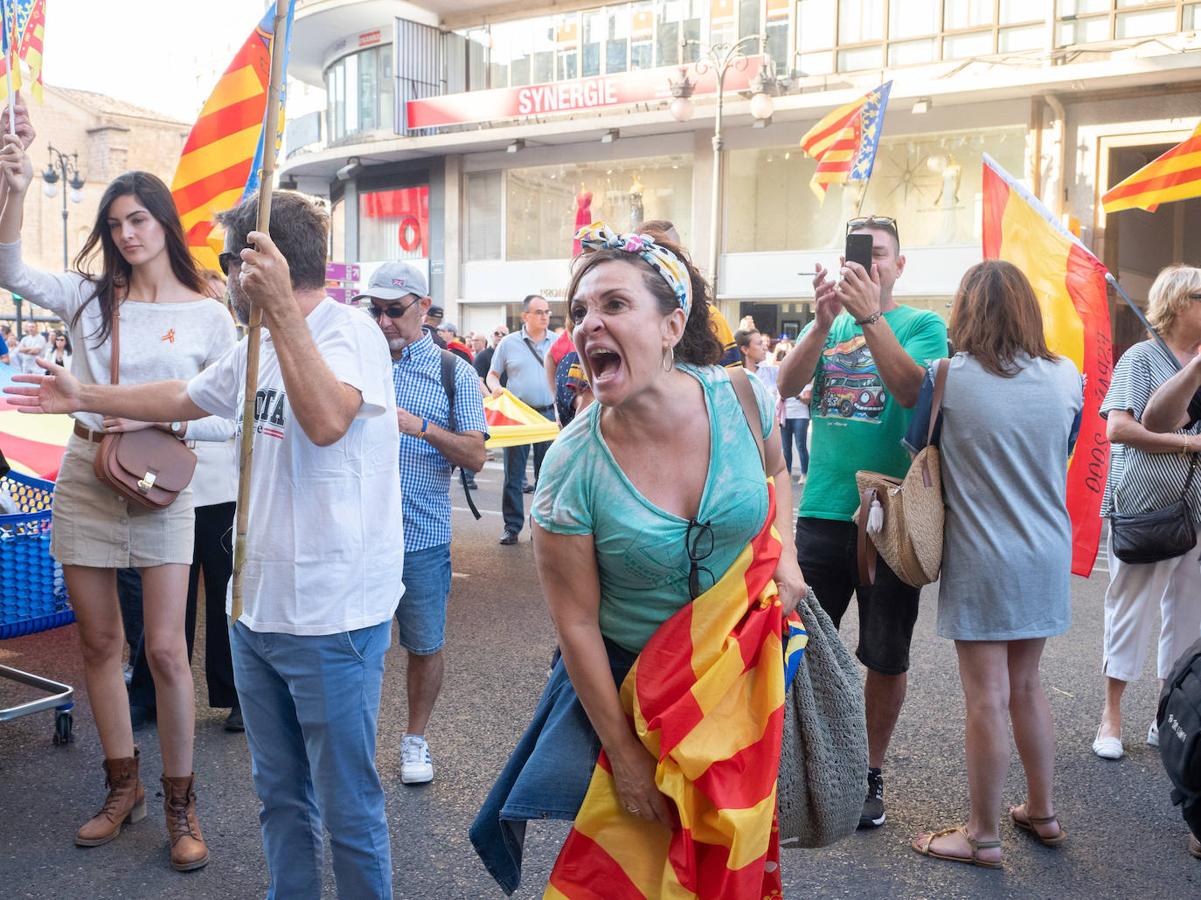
{"x": 849, "y": 387}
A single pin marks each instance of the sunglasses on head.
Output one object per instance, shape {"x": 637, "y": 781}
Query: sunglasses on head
{"x": 392, "y": 310}
{"x": 888, "y": 223}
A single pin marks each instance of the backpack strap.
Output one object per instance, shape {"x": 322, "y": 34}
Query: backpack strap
{"x": 449, "y": 362}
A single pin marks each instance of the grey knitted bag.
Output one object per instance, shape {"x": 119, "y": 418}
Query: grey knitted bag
{"x": 823, "y": 760}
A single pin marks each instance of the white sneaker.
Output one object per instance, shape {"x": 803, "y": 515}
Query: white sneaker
{"x": 416, "y": 766}
{"x": 1153, "y": 735}
{"x": 1108, "y": 747}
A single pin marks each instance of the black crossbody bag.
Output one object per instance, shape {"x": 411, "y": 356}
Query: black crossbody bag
{"x": 1159, "y": 534}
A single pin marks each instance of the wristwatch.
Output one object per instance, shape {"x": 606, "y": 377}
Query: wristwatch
{"x": 179, "y": 428}
{"x": 870, "y": 320}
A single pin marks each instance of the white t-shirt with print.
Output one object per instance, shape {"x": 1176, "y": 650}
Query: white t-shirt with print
{"x": 325, "y": 543}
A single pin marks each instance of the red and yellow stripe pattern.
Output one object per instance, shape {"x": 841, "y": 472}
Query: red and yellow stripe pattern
{"x": 512, "y": 423}
{"x": 1069, "y": 283}
{"x": 1176, "y": 175}
{"x": 706, "y": 697}
{"x": 32, "y": 45}
{"x": 218, "y": 157}
{"x": 844, "y": 142}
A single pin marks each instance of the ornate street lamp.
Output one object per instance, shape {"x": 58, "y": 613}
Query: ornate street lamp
{"x": 66, "y": 168}
{"x": 720, "y": 59}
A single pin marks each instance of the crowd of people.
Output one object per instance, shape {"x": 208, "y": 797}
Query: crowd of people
{"x": 360, "y": 420}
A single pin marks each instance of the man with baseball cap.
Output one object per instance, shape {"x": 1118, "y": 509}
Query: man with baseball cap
{"x": 434, "y": 438}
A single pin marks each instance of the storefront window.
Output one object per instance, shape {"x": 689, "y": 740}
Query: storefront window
{"x": 543, "y": 205}
{"x": 930, "y": 183}
{"x": 360, "y": 93}
{"x": 483, "y": 215}
{"x": 394, "y": 224}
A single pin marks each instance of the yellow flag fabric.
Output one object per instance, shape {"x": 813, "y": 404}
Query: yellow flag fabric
{"x": 512, "y": 423}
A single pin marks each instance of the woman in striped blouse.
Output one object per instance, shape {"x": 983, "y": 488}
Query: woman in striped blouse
{"x": 1149, "y": 471}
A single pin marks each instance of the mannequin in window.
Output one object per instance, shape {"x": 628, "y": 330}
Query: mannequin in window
{"x": 636, "y": 190}
{"x": 583, "y": 216}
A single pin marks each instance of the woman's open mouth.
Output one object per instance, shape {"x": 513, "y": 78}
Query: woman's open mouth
{"x": 605, "y": 364}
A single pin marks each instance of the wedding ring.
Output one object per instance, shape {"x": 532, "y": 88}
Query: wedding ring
{"x": 632, "y": 809}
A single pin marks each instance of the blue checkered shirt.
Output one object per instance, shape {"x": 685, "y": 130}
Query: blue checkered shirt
{"x": 424, "y": 472}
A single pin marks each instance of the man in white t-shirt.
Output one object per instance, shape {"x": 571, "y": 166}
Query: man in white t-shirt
{"x": 30, "y": 348}
{"x": 325, "y": 508}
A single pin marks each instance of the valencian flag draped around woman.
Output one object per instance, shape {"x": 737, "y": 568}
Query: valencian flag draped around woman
{"x": 706, "y": 697}
{"x": 221, "y": 159}
{"x": 1069, "y": 282}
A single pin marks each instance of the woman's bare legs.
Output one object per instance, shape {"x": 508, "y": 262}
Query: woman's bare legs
{"x": 101, "y": 639}
{"x": 165, "y": 593}
{"x": 1034, "y": 730}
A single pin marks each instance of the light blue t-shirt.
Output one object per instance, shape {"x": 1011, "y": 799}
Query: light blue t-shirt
{"x": 640, "y": 548}
{"x": 527, "y": 377}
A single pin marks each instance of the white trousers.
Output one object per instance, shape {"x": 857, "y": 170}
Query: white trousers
{"x": 1134, "y": 590}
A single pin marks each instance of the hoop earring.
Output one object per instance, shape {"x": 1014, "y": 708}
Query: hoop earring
{"x": 669, "y": 359}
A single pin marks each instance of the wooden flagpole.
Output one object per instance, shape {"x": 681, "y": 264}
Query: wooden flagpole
{"x": 8, "y": 74}
{"x": 274, "y": 92}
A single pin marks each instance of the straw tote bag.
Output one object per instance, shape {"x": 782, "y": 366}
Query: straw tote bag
{"x": 147, "y": 467}
{"x": 902, "y": 519}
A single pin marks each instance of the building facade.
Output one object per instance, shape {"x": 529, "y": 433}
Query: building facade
{"x": 103, "y": 137}
{"x": 471, "y": 137}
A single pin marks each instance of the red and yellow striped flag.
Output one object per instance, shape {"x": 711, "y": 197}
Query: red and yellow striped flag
{"x": 512, "y": 423}
{"x": 219, "y": 162}
{"x": 32, "y": 46}
{"x": 1176, "y": 175}
{"x": 844, "y": 142}
{"x": 706, "y": 697}
{"x": 1069, "y": 282}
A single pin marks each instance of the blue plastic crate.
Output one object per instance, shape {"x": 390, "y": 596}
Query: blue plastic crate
{"x": 33, "y": 593}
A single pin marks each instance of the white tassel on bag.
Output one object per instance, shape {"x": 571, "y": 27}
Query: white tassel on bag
{"x": 875, "y": 518}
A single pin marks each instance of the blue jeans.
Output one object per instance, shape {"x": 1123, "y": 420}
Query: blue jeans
{"x": 310, "y": 704}
{"x": 795, "y": 431}
{"x": 421, "y": 616}
{"x": 512, "y": 504}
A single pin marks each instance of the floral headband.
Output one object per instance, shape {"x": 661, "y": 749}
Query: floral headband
{"x": 599, "y": 236}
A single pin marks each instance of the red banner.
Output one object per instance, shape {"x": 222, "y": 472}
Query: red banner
{"x": 642, "y": 86}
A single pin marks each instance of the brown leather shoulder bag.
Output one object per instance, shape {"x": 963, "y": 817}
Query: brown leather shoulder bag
{"x": 147, "y": 467}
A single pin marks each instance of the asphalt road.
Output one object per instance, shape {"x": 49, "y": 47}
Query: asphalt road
{"x": 1126, "y": 839}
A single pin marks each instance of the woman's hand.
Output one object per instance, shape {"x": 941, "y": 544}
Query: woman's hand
{"x": 790, "y": 583}
{"x": 15, "y": 165}
{"x": 57, "y": 392}
{"x": 113, "y": 425}
{"x": 21, "y": 118}
{"x": 634, "y": 775}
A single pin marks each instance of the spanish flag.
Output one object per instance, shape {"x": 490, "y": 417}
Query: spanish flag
{"x": 222, "y": 157}
{"x": 1176, "y": 175}
{"x": 1069, "y": 282}
{"x": 512, "y": 423}
{"x": 844, "y": 142}
{"x": 706, "y": 698}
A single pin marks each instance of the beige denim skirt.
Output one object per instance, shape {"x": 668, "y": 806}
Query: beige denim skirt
{"x": 93, "y": 526}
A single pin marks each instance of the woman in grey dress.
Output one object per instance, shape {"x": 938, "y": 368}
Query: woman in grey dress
{"x": 1009, "y": 416}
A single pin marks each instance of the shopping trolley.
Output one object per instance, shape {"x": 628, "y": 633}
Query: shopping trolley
{"x": 33, "y": 594}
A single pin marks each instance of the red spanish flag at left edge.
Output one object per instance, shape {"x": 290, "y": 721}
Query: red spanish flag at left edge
{"x": 1069, "y": 282}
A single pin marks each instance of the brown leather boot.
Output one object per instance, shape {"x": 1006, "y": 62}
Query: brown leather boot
{"x": 188, "y": 850}
{"x": 126, "y": 802}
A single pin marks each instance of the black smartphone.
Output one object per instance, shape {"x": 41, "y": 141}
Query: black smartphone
{"x": 859, "y": 249}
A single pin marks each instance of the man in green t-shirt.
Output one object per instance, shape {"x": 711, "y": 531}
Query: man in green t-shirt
{"x": 867, "y": 357}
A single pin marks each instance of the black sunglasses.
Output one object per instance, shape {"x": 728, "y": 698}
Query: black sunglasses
{"x": 698, "y": 542}
{"x": 224, "y": 260}
{"x": 393, "y": 311}
{"x": 888, "y": 223}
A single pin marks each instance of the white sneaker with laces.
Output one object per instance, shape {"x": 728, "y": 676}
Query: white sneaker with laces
{"x": 416, "y": 765}
{"x": 1153, "y": 735}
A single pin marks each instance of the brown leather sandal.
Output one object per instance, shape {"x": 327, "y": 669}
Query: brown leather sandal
{"x": 1029, "y": 823}
{"x": 922, "y": 843}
